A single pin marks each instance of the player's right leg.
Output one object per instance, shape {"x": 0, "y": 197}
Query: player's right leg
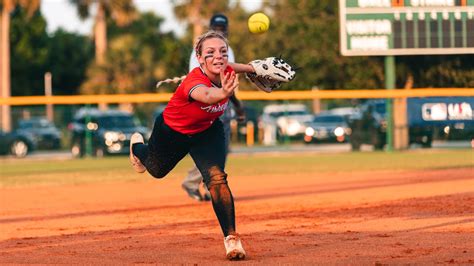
{"x": 135, "y": 140}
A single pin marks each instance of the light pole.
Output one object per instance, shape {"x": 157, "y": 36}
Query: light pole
{"x": 389, "y": 85}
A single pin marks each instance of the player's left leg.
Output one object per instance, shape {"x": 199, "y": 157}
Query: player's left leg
{"x": 208, "y": 152}
{"x": 164, "y": 150}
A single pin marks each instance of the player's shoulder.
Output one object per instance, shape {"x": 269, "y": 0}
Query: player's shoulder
{"x": 197, "y": 73}
{"x": 196, "y": 76}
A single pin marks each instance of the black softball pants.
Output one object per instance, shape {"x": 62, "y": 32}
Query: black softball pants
{"x": 166, "y": 147}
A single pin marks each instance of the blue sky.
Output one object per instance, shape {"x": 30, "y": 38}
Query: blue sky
{"x": 60, "y": 13}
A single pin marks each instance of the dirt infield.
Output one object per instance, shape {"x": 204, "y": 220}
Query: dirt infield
{"x": 420, "y": 217}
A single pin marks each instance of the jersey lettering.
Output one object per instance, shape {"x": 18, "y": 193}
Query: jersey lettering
{"x": 215, "y": 108}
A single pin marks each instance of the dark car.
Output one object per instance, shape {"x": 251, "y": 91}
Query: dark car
{"x": 16, "y": 144}
{"x": 369, "y": 126}
{"x": 451, "y": 117}
{"x": 109, "y": 132}
{"x": 458, "y": 131}
{"x": 45, "y": 134}
{"x": 327, "y": 128}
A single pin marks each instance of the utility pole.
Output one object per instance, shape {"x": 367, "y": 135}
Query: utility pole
{"x": 316, "y": 102}
{"x": 5, "y": 69}
{"x": 48, "y": 92}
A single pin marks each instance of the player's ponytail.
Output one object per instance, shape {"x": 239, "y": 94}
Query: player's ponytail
{"x": 170, "y": 80}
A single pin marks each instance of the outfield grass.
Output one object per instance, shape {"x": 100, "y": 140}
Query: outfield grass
{"x": 57, "y": 172}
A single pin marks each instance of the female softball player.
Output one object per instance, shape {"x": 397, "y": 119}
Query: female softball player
{"x": 190, "y": 124}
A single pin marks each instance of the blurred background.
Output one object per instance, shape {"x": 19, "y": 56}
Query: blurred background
{"x": 88, "y": 47}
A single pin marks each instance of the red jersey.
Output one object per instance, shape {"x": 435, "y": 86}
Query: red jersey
{"x": 188, "y": 116}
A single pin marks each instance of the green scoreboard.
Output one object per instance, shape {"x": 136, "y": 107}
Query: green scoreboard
{"x": 406, "y": 27}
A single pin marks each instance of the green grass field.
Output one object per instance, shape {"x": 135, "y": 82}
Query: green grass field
{"x": 58, "y": 172}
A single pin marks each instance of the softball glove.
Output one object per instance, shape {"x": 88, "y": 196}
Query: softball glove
{"x": 263, "y": 83}
{"x": 270, "y": 73}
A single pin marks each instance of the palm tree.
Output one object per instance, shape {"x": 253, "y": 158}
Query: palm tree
{"x": 198, "y": 12}
{"x": 7, "y": 6}
{"x": 122, "y": 12}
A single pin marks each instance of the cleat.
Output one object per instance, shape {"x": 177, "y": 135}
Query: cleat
{"x": 233, "y": 247}
{"x": 205, "y": 194}
{"x": 136, "y": 164}
{"x": 193, "y": 193}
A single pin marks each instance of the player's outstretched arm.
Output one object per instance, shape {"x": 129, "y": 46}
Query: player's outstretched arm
{"x": 242, "y": 68}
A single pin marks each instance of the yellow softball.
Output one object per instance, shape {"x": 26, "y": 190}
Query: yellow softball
{"x": 258, "y": 23}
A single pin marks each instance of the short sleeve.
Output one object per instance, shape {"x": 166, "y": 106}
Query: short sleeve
{"x": 194, "y": 80}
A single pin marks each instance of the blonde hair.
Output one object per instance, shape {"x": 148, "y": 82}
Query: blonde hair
{"x": 208, "y": 35}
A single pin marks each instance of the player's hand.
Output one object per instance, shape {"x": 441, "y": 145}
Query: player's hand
{"x": 229, "y": 82}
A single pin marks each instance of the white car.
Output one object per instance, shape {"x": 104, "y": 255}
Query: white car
{"x": 284, "y": 121}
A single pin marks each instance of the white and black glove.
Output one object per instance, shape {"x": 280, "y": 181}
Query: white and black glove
{"x": 263, "y": 83}
{"x": 270, "y": 73}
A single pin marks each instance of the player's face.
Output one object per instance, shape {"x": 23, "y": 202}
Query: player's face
{"x": 213, "y": 58}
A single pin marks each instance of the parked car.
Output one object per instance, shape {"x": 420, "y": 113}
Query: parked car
{"x": 109, "y": 132}
{"x": 458, "y": 131}
{"x": 344, "y": 111}
{"x": 451, "y": 117}
{"x": 16, "y": 143}
{"x": 45, "y": 134}
{"x": 284, "y": 121}
{"x": 369, "y": 126}
{"x": 327, "y": 127}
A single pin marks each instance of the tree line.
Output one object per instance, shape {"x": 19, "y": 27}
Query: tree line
{"x": 128, "y": 53}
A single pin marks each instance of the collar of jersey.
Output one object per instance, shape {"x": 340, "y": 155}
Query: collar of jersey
{"x": 212, "y": 83}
